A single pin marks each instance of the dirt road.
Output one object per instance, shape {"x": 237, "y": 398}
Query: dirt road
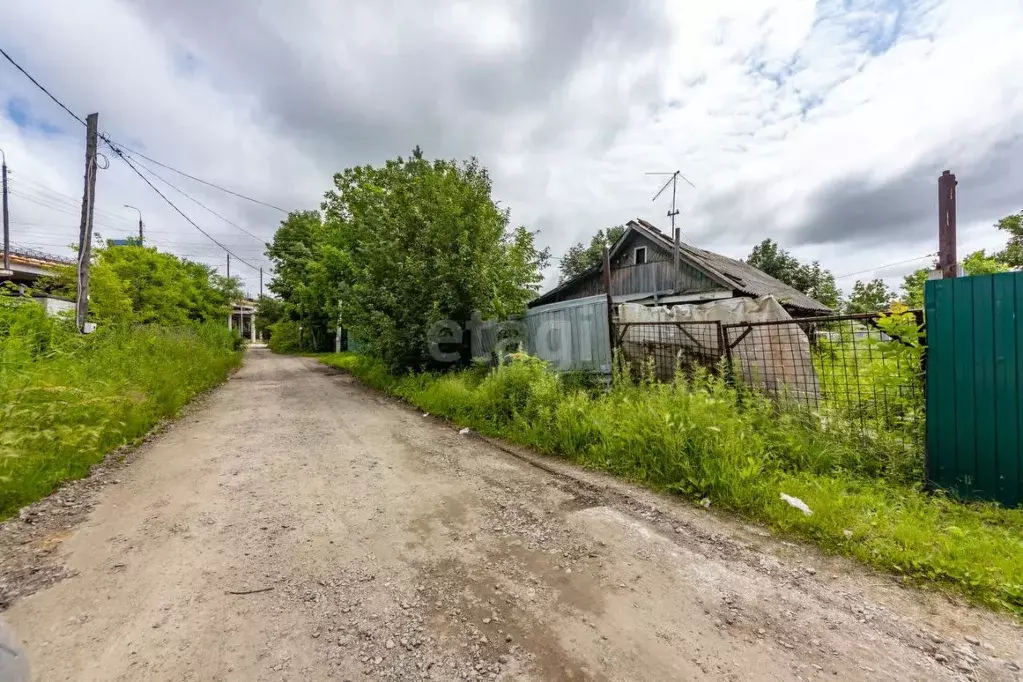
{"x": 298, "y": 526}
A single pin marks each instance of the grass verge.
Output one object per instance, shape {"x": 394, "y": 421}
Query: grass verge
{"x": 695, "y": 438}
{"x": 67, "y": 400}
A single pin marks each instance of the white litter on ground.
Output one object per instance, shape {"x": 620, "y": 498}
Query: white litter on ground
{"x": 797, "y": 503}
{"x": 705, "y": 503}
{"x": 463, "y": 432}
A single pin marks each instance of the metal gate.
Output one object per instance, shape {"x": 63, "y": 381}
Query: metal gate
{"x": 974, "y": 379}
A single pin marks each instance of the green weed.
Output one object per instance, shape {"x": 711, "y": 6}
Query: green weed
{"x": 67, "y": 399}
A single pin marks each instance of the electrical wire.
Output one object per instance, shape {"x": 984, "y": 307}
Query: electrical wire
{"x": 135, "y": 152}
{"x": 38, "y": 85}
{"x": 193, "y": 199}
{"x": 199, "y": 180}
{"x": 117, "y": 151}
{"x": 886, "y": 265}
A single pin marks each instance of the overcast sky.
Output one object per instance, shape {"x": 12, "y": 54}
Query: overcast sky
{"x": 823, "y": 125}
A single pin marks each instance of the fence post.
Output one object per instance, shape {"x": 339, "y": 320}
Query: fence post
{"x": 727, "y": 349}
{"x": 610, "y": 309}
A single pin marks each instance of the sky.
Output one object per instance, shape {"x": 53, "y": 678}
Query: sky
{"x": 821, "y": 125}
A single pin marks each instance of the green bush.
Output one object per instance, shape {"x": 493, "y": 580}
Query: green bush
{"x": 67, "y": 399}
{"x": 284, "y": 337}
{"x": 696, "y": 437}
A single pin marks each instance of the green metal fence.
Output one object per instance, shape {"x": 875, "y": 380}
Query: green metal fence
{"x": 974, "y": 379}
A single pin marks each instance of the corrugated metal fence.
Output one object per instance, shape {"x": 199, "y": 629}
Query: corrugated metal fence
{"x": 974, "y": 379}
{"x": 571, "y": 335}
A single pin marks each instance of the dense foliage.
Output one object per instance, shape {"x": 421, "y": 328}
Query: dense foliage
{"x": 976, "y": 263}
{"x": 139, "y": 284}
{"x": 869, "y": 297}
{"x": 399, "y": 248}
{"x": 67, "y": 399}
{"x": 579, "y": 258}
{"x": 697, "y": 437}
{"x": 811, "y": 279}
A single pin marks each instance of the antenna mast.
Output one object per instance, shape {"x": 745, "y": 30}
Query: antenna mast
{"x": 675, "y": 232}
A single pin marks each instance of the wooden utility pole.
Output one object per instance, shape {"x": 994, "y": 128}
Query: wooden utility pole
{"x": 947, "y": 261}
{"x": 261, "y": 282}
{"x": 85, "y": 231}
{"x": 229, "y": 265}
{"x": 7, "y": 225}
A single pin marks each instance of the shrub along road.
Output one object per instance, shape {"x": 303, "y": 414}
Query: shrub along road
{"x": 300, "y": 526}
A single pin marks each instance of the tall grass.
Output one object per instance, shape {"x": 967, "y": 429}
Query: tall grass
{"x": 695, "y": 437}
{"x": 66, "y": 399}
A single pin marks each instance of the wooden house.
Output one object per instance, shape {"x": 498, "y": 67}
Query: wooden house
{"x": 643, "y": 271}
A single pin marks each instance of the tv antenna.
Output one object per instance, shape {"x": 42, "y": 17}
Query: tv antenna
{"x": 675, "y": 232}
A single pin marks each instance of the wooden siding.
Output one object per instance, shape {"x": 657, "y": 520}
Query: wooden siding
{"x": 653, "y": 276}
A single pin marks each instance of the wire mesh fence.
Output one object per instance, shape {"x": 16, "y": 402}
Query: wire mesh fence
{"x": 841, "y": 366}
{"x": 665, "y": 348}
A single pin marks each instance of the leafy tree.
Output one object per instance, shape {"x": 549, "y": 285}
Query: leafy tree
{"x": 269, "y": 310}
{"x": 415, "y": 242}
{"x": 811, "y": 279}
{"x": 140, "y": 285}
{"x": 976, "y": 263}
{"x": 869, "y": 297}
{"x": 300, "y": 282}
{"x": 578, "y": 258}
{"x": 979, "y": 263}
{"x": 1012, "y": 254}
{"x": 913, "y": 288}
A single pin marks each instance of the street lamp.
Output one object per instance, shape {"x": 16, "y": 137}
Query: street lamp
{"x": 140, "y": 221}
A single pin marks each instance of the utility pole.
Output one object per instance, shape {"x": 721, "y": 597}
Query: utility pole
{"x": 261, "y": 282}
{"x": 6, "y": 272}
{"x": 85, "y": 232}
{"x": 140, "y": 221}
{"x": 947, "y": 261}
{"x": 229, "y": 265}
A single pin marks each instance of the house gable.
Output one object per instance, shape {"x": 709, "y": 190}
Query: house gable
{"x": 655, "y": 276}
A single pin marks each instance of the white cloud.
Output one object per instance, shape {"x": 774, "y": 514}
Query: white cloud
{"x": 822, "y": 125}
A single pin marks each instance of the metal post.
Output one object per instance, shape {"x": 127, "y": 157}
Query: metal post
{"x": 85, "y": 232}
{"x": 7, "y": 225}
{"x": 610, "y": 305}
{"x": 140, "y": 221}
{"x": 676, "y": 232}
{"x": 947, "y": 261}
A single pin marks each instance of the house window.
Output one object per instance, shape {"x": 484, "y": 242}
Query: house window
{"x": 639, "y": 255}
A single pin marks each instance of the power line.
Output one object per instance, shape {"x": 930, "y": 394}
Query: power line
{"x": 886, "y": 265}
{"x": 117, "y": 150}
{"x": 170, "y": 203}
{"x": 188, "y": 196}
{"x": 200, "y": 180}
{"x": 38, "y": 85}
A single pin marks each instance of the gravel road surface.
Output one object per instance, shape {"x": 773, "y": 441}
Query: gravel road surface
{"x": 295, "y": 525}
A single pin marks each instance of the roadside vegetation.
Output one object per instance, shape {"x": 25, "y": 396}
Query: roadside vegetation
{"x": 403, "y": 247}
{"x": 696, "y": 438}
{"x": 67, "y": 399}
